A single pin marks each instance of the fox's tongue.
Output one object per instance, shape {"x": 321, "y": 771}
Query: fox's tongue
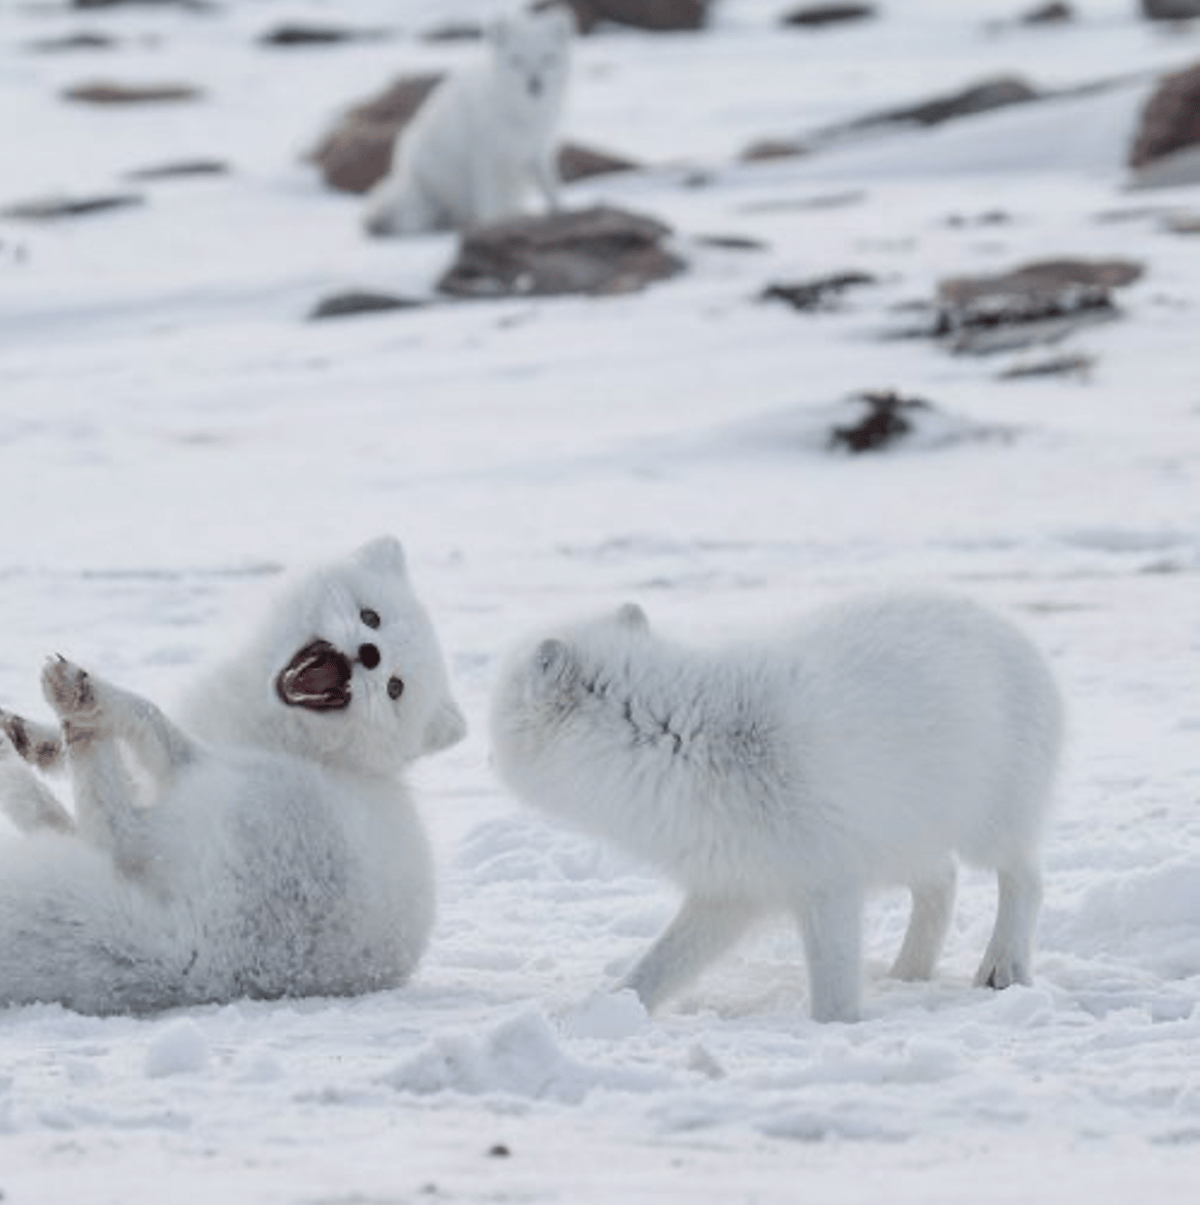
{"x": 317, "y": 677}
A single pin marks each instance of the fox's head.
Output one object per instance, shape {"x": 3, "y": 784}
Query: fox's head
{"x": 532, "y": 55}
{"x": 354, "y": 675}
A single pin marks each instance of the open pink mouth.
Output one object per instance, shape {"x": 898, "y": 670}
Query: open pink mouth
{"x": 317, "y": 677}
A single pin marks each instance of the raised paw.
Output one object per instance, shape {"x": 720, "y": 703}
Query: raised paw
{"x": 71, "y": 692}
{"x": 39, "y": 744}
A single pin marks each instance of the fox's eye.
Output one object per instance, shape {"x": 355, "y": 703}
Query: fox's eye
{"x": 395, "y": 687}
{"x": 369, "y": 617}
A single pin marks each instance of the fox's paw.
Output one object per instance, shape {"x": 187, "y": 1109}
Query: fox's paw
{"x": 41, "y": 745}
{"x": 72, "y": 693}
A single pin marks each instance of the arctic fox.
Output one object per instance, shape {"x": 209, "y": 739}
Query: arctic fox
{"x": 483, "y": 136}
{"x": 266, "y": 848}
{"x": 862, "y": 746}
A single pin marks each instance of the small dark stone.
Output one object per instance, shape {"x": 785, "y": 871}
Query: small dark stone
{"x": 72, "y": 41}
{"x": 453, "y": 31}
{"x": 52, "y": 208}
{"x": 772, "y": 148}
{"x": 345, "y": 305}
{"x": 817, "y": 16}
{"x": 819, "y": 293}
{"x": 731, "y": 242}
{"x": 104, "y": 92}
{"x": 595, "y": 251}
{"x": 317, "y": 35}
{"x": 887, "y": 418}
{"x": 499, "y": 1151}
{"x": 181, "y": 169}
{"x": 1066, "y": 364}
{"x": 1056, "y": 13}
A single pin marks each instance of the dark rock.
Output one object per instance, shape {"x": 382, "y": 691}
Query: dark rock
{"x": 595, "y": 251}
{"x": 1056, "y": 13}
{"x": 499, "y": 1151}
{"x": 453, "y": 31}
{"x": 817, "y": 16}
{"x": 199, "y": 6}
{"x": 357, "y": 151}
{"x": 1040, "y": 302}
{"x": 819, "y": 293}
{"x": 1182, "y": 223}
{"x": 1170, "y": 120}
{"x": 1170, "y": 10}
{"x": 1065, "y": 364}
{"x": 72, "y": 41}
{"x": 345, "y": 305}
{"x": 983, "y": 97}
{"x": 103, "y": 92}
{"x": 772, "y": 148}
{"x": 577, "y": 162}
{"x": 886, "y": 418}
{"x": 52, "y": 208}
{"x": 731, "y": 242}
{"x": 662, "y": 16}
{"x": 181, "y": 169}
{"x": 317, "y": 35}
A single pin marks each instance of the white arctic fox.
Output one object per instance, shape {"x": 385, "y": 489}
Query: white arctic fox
{"x": 483, "y": 136}
{"x": 266, "y": 848}
{"x": 863, "y": 746}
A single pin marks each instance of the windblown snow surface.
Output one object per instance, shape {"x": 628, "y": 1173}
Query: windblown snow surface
{"x": 174, "y": 434}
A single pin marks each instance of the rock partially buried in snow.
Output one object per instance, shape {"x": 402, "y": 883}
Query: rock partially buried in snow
{"x": 819, "y": 293}
{"x": 49, "y": 209}
{"x": 1039, "y": 302}
{"x": 1170, "y": 10}
{"x": 299, "y": 34}
{"x": 356, "y": 153}
{"x": 360, "y": 301}
{"x": 818, "y": 16}
{"x": 884, "y": 417}
{"x": 108, "y": 92}
{"x": 595, "y": 251}
{"x": 661, "y": 16}
{"x": 998, "y": 93}
{"x": 1166, "y": 148}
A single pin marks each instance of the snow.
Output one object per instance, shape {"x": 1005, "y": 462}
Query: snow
{"x": 173, "y": 434}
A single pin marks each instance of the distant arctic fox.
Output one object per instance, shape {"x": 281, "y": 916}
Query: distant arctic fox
{"x": 266, "y": 848}
{"x": 484, "y": 135}
{"x": 860, "y": 747}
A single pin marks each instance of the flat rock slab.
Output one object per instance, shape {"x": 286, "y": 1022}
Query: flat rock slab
{"x": 997, "y": 93}
{"x": 106, "y": 92}
{"x": 357, "y": 151}
{"x": 595, "y": 251}
{"x": 68, "y": 42}
{"x": 660, "y": 16}
{"x": 360, "y": 301}
{"x": 1039, "y": 302}
{"x": 820, "y": 16}
{"x": 49, "y": 209}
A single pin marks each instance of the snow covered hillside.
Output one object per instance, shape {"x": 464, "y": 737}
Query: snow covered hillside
{"x": 175, "y": 432}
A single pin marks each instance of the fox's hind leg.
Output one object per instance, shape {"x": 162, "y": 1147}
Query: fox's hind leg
{"x": 932, "y": 907}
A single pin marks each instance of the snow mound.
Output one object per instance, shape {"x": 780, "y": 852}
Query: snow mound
{"x": 178, "y": 1049}
{"x": 521, "y": 1057}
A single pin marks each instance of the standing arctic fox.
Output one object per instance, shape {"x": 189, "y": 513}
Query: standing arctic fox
{"x": 484, "y": 135}
{"x": 266, "y": 848}
{"x": 861, "y": 747}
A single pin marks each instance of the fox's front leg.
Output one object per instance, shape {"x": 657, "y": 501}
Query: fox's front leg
{"x": 24, "y": 798}
{"x": 95, "y": 715}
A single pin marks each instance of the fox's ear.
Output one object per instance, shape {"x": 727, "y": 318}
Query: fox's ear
{"x": 447, "y": 727}
{"x": 555, "y": 660}
{"x": 630, "y": 615}
{"x": 384, "y": 555}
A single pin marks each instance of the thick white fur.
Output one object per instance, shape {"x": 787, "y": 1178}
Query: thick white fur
{"x": 863, "y": 746}
{"x": 262, "y": 849}
{"x": 484, "y": 135}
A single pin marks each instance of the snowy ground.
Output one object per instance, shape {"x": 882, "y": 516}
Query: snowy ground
{"x": 173, "y": 434}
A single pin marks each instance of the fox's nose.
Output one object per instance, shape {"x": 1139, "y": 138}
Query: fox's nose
{"x": 368, "y": 656}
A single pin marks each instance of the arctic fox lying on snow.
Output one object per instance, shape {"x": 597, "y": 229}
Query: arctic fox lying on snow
{"x": 861, "y": 747}
{"x": 483, "y": 136}
{"x": 272, "y": 849}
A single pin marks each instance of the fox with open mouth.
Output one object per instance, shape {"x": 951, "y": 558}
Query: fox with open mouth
{"x": 265, "y": 846}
